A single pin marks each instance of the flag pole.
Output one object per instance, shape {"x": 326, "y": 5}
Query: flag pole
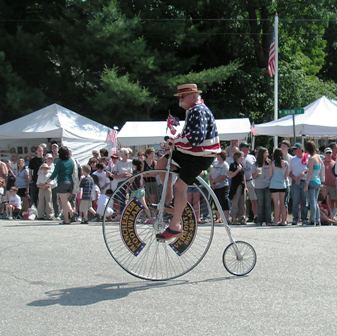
{"x": 276, "y": 78}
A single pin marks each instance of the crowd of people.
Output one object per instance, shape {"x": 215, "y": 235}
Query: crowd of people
{"x": 250, "y": 185}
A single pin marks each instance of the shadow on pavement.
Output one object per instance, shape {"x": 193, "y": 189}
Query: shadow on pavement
{"x": 83, "y": 296}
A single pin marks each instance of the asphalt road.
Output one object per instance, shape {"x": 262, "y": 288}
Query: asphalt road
{"x": 60, "y": 280}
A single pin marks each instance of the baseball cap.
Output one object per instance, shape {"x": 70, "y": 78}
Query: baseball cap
{"x": 327, "y": 150}
{"x": 49, "y": 156}
{"x": 298, "y": 145}
{"x": 244, "y": 144}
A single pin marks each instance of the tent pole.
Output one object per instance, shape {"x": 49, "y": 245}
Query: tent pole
{"x": 276, "y": 78}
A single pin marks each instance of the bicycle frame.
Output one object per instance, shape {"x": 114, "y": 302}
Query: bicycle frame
{"x": 209, "y": 190}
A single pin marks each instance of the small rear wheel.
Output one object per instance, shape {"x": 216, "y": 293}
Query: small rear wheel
{"x": 239, "y": 258}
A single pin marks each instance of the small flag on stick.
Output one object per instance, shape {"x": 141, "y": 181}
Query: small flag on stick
{"x": 172, "y": 122}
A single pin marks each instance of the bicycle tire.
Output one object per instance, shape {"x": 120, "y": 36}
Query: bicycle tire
{"x": 235, "y": 265}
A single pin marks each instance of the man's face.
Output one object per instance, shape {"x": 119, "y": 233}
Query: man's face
{"x": 245, "y": 150}
{"x": 186, "y": 100}
{"x": 21, "y": 163}
{"x": 328, "y": 156}
{"x": 298, "y": 152}
{"x": 284, "y": 148}
{"x": 234, "y": 143}
{"x": 39, "y": 151}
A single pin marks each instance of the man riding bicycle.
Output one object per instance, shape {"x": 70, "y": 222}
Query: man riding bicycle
{"x": 194, "y": 151}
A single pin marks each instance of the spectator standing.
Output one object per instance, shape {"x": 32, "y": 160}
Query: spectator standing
{"x": 231, "y": 149}
{"x": 297, "y": 172}
{"x": 262, "y": 180}
{"x": 278, "y": 172}
{"x": 44, "y": 208}
{"x": 13, "y": 163}
{"x": 87, "y": 187}
{"x": 95, "y": 154}
{"x": 285, "y": 147}
{"x": 63, "y": 172}
{"x": 218, "y": 178}
{"x": 92, "y": 163}
{"x": 237, "y": 189}
{"x": 3, "y": 171}
{"x": 330, "y": 181}
{"x": 333, "y": 147}
{"x": 55, "y": 152}
{"x": 103, "y": 153}
{"x": 313, "y": 182}
{"x": 50, "y": 160}
{"x": 22, "y": 183}
{"x": 248, "y": 165}
{"x": 103, "y": 180}
{"x": 34, "y": 166}
{"x": 110, "y": 169}
{"x": 122, "y": 171}
{"x": 151, "y": 187}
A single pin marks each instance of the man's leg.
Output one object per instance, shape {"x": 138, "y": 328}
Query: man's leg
{"x": 296, "y": 202}
{"x": 180, "y": 201}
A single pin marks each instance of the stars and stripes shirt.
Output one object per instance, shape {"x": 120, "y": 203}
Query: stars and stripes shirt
{"x": 199, "y": 136}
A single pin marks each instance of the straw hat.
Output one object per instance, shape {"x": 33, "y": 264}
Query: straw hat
{"x": 187, "y": 89}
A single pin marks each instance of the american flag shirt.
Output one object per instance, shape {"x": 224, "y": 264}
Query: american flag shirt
{"x": 199, "y": 136}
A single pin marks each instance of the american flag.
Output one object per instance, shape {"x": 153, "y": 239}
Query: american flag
{"x": 171, "y": 123}
{"x": 111, "y": 139}
{"x": 271, "y": 59}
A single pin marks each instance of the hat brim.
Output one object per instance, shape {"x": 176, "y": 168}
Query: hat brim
{"x": 178, "y": 94}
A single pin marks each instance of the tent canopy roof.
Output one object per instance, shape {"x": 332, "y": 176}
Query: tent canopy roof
{"x": 319, "y": 119}
{"x": 53, "y": 121}
{"x": 152, "y": 132}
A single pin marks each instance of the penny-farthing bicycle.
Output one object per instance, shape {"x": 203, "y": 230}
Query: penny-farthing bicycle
{"x": 139, "y": 207}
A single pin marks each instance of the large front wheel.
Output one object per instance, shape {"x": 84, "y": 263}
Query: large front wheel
{"x": 133, "y": 217}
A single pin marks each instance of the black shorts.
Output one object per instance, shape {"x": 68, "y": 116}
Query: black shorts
{"x": 22, "y": 192}
{"x": 277, "y": 190}
{"x": 64, "y": 187}
{"x": 190, "y": 166}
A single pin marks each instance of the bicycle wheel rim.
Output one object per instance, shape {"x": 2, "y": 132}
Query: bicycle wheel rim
{"x": 235, "y": 266}
{"x": 149, "y": 259}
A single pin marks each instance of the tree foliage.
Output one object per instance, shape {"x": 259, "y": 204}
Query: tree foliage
{"x": 119, "y": 60}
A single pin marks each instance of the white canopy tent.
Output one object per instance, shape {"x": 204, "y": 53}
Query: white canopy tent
{"x": 79, "y": 133}
{"x": 138, "y": 133}
{"x": 319, "y": 119}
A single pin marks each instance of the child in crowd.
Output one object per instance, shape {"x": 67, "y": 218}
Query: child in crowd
{"x": 86, "y": 185}
{"x": 138, "y": 191}
{"x": 14, "y": 202}
{"x": 103, "y": 180}
{"x": 45, "y": 202}
{"x": 101, "y": 204}
{"x": 324, "y": 209}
